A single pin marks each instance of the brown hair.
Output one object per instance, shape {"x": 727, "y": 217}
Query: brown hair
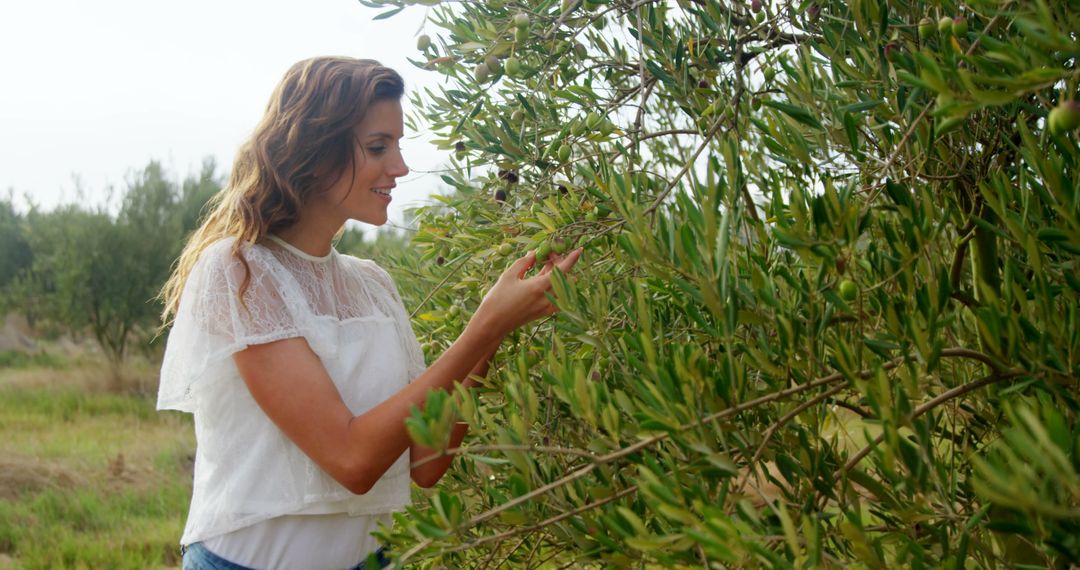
{"x": 303, "y": 144}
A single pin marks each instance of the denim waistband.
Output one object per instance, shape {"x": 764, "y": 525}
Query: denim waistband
{"x": 198, "y": 557}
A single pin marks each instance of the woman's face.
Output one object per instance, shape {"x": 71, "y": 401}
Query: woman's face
{"x": 364, "y": 194}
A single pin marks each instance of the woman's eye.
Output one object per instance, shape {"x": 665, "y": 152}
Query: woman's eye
{"x": 377, "y": 149}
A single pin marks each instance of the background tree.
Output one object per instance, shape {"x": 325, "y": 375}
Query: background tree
{"x": 14, "y": 251}
{"x": 195, "y": 192}
{"x": 94, "y": 272}
{"x": 829, "y": 314}
{"x": 383, "y": 245}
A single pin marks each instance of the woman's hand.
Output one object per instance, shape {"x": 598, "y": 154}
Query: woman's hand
{"x": 516, "y": 299}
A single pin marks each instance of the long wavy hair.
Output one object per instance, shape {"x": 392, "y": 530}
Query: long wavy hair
{"x": 301, "y": 147}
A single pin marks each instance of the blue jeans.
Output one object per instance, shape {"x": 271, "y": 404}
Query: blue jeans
{"x": 198, "y": 557}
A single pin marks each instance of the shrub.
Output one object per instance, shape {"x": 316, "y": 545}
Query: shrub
{"x": 828, "y": 312}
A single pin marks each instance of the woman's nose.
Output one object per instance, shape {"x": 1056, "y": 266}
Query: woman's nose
{"x": 398, "y": 167}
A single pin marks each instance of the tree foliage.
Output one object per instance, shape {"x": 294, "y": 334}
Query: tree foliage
{"x": 828, "y": 313}
{"x": 90, "y": 271}
{"x": 14, "y": 252}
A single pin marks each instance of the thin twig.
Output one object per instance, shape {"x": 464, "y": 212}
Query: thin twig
{"x": 477, "y": 449}
{"x": 958, "y": 259}
{"x": 852, "y": 407}
{"x": 562, "y": 18}
{"x": 782, "y": 422}
{"x": 689, "y": 163}
{"x": 941, "y": 398}
{"x": 551, "y": 520}
{"x": 656, "y": 134}
{"x": 641, "y": 72}
{"x": 450, "y": 274}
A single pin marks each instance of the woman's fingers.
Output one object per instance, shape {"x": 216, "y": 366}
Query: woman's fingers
{"x": 564, "y": 263}
{"x": 567, "y": 263}
{"x": 522, "y": 265}
{"x": 551, "y": 260}
{"x": 527, "y": 297}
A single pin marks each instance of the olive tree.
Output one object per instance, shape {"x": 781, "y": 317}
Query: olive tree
{"x": 828, "y": 310}
{"x": 94, "y": 272}
{"x": 14, "y": 252}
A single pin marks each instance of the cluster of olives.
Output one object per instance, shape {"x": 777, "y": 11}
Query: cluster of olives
{"x": 512, "y": 65}
{"x": 956, "y": 25}
{"x": 556, "y": 245}
{"x": 593, "y": 122}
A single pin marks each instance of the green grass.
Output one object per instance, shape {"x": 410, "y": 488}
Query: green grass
{"x": 94, "y": 528}
{"x": 90, "y": 479}
{"x": 22, "y": 360}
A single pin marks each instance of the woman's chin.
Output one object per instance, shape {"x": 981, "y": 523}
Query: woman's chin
{"x": 374, "y": 219}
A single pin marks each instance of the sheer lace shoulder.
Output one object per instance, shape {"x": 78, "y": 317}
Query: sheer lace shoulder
{"x": 245, "y": 300}
{"x": 213, "y": 320}
{"x": 270, "y": 293}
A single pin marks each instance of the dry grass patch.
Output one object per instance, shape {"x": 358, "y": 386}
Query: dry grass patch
{"x": 21, "y": 475}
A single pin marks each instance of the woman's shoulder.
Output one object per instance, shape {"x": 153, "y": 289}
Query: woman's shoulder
{"x": 221, "y": 254}
{"x": 366, "y": 269}
{"x": 353, "y": 262}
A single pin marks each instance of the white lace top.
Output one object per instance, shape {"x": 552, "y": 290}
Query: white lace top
{"x": 348, "y": 310}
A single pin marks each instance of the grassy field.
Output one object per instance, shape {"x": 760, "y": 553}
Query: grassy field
{"x": 91, "y": 476}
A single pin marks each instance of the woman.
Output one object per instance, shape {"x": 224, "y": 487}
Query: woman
{"x": 299, "y": 363}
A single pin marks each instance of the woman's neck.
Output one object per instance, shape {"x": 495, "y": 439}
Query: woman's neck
{"x": 316, "y": 241}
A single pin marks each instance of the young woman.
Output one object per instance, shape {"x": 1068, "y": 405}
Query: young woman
{"x": 299, "y": 363}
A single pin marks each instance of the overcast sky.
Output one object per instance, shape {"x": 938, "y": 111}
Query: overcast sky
{"x": 97, "y": 89}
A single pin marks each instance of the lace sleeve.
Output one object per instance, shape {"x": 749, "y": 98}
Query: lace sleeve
{"x": 212, "y": 323}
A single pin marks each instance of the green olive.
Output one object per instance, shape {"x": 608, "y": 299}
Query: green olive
{"x": 849, "y": 291}
{"x": 926, "y": 27}
{"x": 959, "y": 26}
{"x": 592, "y": 120}
{"x": 1063, "y": 118}
{"x": 481, "y": 73}
{"x": 944, "y": 25}
{"x": 564, "y": 152}
{"x": 512, "y": 66}
{"x": 543, "y": 252}
{"x": 577, "y": 127}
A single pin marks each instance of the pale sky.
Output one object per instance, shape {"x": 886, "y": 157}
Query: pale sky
{"x": 98, "y": 89}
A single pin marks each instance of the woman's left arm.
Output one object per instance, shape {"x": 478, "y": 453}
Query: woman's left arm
{"x": 429, "y": 471}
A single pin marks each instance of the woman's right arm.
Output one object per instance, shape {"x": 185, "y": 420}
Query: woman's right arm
{"x": 290, "y": 384}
